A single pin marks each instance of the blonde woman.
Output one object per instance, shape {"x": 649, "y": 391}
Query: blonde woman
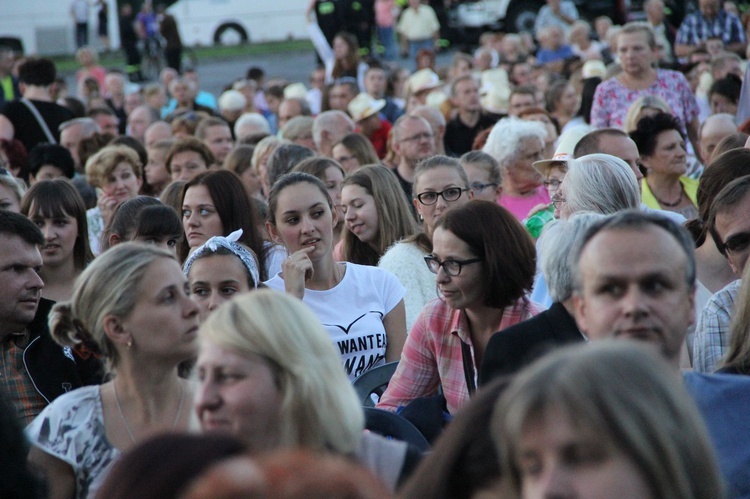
{"x": 263, "y": 151}
{"x": 117, "y": 174}
{"x": 647, "y": 105}
{"x": 131, "y": 307}
{"x": 270, "y": 376}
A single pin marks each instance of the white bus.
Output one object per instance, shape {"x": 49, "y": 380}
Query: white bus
{"x": 228, "y": 22}
{"x": 45, "y": 27}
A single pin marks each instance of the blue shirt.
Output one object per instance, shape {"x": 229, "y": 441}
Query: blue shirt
{"x": 545, "y": 55}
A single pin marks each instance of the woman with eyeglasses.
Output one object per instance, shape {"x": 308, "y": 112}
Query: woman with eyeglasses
{"x": 360, "y": 306}
{"x": 485, "y": 263}
{"x": 484, "y": 175}
{"x": 440, "y": 185}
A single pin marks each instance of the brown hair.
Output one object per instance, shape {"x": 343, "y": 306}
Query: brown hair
{"x": 395, "y": 220}
{"x": 56, "y": 199}
{"x": 189, "y": 144}
{"x": 505, "y": 247}
{"x": 234, "y": 209}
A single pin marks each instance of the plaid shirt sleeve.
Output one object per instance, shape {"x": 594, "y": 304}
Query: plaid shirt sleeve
{"x": 712, "y": 333}
{"x": 417, "y": 373}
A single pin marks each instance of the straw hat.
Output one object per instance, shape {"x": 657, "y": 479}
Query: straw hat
{"x": 422, "y": 80}
{"x": 564, "y": 152}
{"x": 363, "y": 106}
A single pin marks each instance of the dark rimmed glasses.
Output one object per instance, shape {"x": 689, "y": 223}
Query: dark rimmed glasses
{"x": 449, "y": 194}
{"x": 451, "y": 267}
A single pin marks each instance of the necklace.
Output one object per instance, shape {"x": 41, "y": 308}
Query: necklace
{"x": 127, "y": 426}
{"x": 669, "y": 205}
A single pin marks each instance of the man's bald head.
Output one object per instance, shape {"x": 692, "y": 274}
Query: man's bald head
{"x": 715, "y": 128}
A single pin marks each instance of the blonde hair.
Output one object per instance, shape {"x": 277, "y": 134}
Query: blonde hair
{"x": 103, "y": 163}
{"x": 631, "y": 398}
{"x": 110, "y": 285}
{"x": 638, "y": 105}
{"x": 265, "y": 147}
{"x": 319, "y": 408}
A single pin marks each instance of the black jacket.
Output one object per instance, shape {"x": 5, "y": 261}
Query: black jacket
{"x": 517, "y": 346}
{"x": 53, "y": 369}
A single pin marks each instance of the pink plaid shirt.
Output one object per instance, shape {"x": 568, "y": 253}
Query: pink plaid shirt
{"x": 432, "y": 354}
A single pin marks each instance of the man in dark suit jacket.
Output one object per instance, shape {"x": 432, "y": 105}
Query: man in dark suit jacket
{"x": 512, "y": 349}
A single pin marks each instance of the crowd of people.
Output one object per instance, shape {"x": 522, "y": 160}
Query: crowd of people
{"x": 195, "y": 289}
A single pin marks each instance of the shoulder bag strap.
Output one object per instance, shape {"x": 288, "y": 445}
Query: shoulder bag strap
{"x": 39, "y": 119}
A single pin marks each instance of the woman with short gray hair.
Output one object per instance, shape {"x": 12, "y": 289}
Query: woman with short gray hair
{"x": 516, "y": 144}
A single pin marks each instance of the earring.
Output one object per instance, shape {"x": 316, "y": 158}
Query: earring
{"x": 130, "y": 343}
{"x": 421, "y": 218}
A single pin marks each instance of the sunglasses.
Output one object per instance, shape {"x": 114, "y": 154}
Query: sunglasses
{"x": 737, "y": 242}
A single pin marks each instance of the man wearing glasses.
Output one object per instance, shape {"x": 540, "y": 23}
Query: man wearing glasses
{"x": 413, "y": 141}
{"x": 729, "y": 225}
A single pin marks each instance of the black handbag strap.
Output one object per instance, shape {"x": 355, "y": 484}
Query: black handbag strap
{"x": 468, "y": 367}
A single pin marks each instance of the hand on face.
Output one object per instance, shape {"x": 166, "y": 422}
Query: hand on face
{"x": 297, "y": 270}
{"x": 107, "y": 205}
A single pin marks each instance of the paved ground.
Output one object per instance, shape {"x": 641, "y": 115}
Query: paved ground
{"x": 293, "y": 66}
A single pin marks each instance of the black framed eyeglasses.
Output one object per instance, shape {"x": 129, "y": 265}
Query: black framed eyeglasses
{"x": 449, "y": 194}
{"x": 737, "y": 242}
{"x": 451, "y": 267}
{"x": 478, "y": 187}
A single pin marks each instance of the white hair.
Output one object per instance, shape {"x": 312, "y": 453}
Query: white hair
{"x": 255, "y": 121}
{"x": 506, "y": 139}
{"x": 600, "y": 183}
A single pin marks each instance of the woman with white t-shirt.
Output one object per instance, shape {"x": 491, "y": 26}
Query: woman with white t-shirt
{"x": 361, "y": 307}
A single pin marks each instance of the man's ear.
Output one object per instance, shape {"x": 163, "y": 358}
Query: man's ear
{"x": 579, "y": 311}
{"x": 273, "y": 233}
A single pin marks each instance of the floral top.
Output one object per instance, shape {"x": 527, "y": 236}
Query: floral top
{"x": 96, "y": 229}
{"x": 71, "y": 429}
{"x": 612, "y": 99}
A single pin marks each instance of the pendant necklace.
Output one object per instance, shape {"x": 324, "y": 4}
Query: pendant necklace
{"x": 127, "y": 426}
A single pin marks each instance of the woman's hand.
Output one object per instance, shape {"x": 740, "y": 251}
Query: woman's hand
{"x": 107, "y": 205}
{"x": 297, "y": 270}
